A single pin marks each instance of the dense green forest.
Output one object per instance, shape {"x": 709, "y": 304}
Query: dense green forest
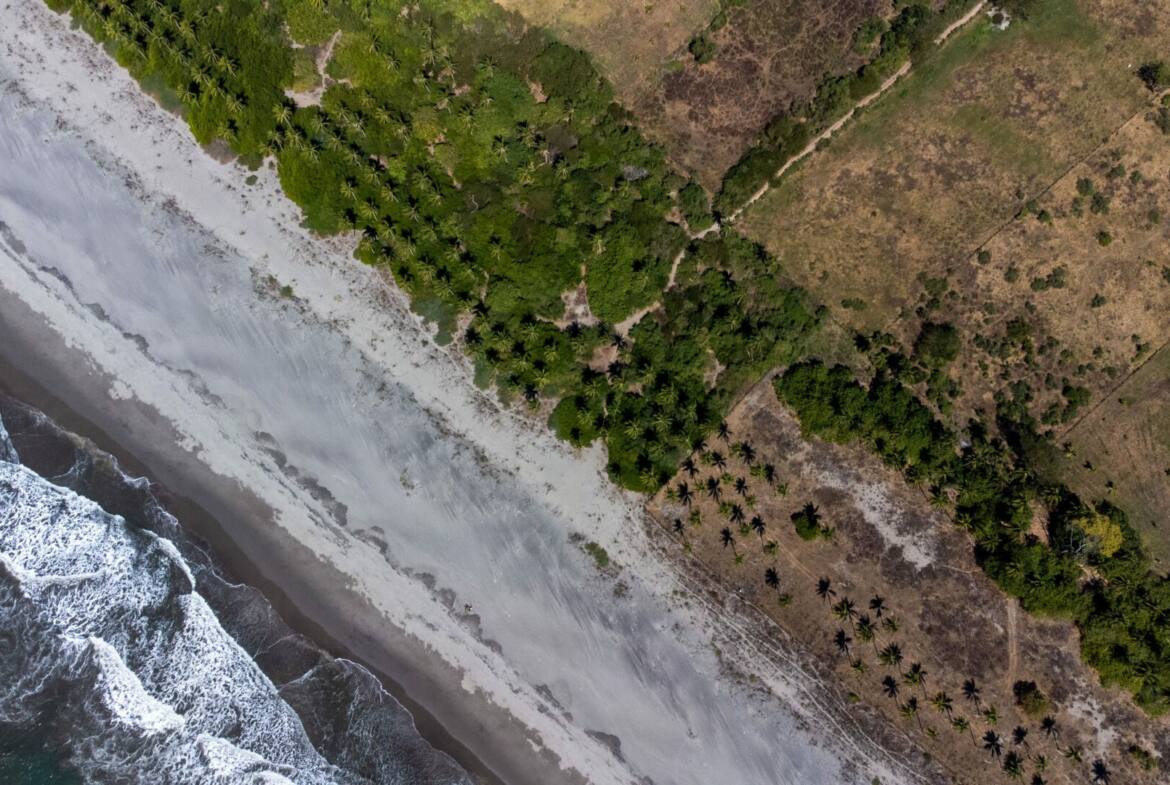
{"x": 488, "y": 169}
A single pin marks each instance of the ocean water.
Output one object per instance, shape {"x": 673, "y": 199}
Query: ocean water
{"x": 115, "y": 666}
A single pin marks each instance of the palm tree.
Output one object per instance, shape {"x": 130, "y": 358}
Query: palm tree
{"x": 1013, "y": 765}
{"x": 909, "y": 710}
{"x": 971, "y": 692}
{"x": 718, "y": 460}
{"x": 736, "y": 514}
{"x": 891, "y": 655}
{"x": 684, "y": 493}
{"x": 1037, "y": 780}
{"x": 992, "y": 743}
{"x": 962, "y": 725}
{"x": 688, "y": 466}
{"x": 712, "y": 486}
{"x": 825, "y": 589}
{"x": 726, "y": 538}
{"x": 916, "y": 676}
{"x": 1073, "y": 753}
{"x": 772, "y": 578}
{"x": 991, "y": 715}
{"x": 844, "y": 610}
{"x": 865, "y": 631}
{"x": 842, "y": 641}
{"x": 747, "y": 453}
{"x": 741, "y": 486}
{"x": 890, "y": 624}
{"x": 1020, "y": 736}
{"x": 1100, "y": 772}
{"x": 1048, "y": 725}
{"x": 877, "y": 605}
{"x": 769, "y": 472}
{"x": 942, "y": 703}
{"x": 758, "y": 526}
{"x": 679, "y": 529}
{"x": 724, "y": 431}
{"x": 890, "y": 687}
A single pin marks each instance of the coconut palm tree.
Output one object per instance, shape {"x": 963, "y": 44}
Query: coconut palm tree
{"x": 747, "y": 453}
{"x": 1013, "y": 765}
{"x": 915, "y": 676}
{"x": 1020, "y": 736}
{"x": 971, "y": 692}
{"x": 891, "y": 655}
{"x": 825, "y": 589}
{"x": 679, "y": 528}
{"x": 961, "y": 725}
{"x": 727, "y": 539}
{"x": 684, "y": 493}
{"x": 909, "y": 710}
{"x": 992, "y": 743}
{"x": 741, "y": 486}
{"x": 1100, "y": 772}
{"x": 1050, "y": 728}
{"x": 713, "y": 489}
{"x": 890, "y": 687}
{"x": 991, "y": 715}
{"x": 772, "y": 578}
{"x": 688, "y": 466}
{"x": 843, "y": 610}
{"x": 758, "y": 526}
{"x": 878, "y": 605}
{"x": 842, "y": 642}
{"x": 718, "y": 461}
{"x": 736, "y": 514}
{"x": 942, "y": 703}
{"x": 1073, "y": 752}
{"x": 1037, "y": 780}
{"x": 865, "y": 631}
{"x": 724, "y": 431}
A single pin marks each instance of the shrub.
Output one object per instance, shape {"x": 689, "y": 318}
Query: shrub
{"x": 1155, "y": 75}
{"x": 937, "y": 344}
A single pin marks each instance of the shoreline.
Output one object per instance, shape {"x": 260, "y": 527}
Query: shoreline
{"x": 296, "y": 597}
{"x": 562, "y": 674}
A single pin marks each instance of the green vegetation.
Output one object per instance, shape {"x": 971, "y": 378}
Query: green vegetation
{"x": 599, "y": 554}
{"x": 1122, "y": 611}
{"x": 937, "y": 344}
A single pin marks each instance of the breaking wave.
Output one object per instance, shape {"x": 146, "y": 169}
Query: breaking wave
{"x": 109, "y": 647}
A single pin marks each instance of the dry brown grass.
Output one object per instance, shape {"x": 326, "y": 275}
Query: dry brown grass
{"x": 770, "y": 55}
{"x": 631, "y": 41}
{"x": 924, "y": 178}
{"x": 890, "y": 541}
{"x": 1126, "y": 441}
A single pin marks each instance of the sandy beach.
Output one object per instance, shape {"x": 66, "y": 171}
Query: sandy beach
{"x": 352, "y": 468}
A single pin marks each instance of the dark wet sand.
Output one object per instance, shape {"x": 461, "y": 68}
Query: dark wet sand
{"x": 311, "y": 596}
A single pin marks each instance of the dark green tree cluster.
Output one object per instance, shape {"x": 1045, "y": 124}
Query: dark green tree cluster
{"x": 1122, "y": 609}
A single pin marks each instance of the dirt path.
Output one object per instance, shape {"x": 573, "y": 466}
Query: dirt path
{"x": 1013, "y": 644}
{"x": 824, "y": 135}
{"x": 313, "y": 97}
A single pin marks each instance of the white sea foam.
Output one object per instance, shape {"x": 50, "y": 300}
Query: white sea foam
{"x": 104, "y": 619}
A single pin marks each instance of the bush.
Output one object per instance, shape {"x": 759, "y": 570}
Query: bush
{"x": 937, "y": 344}
{"x": 1155, "y": 75}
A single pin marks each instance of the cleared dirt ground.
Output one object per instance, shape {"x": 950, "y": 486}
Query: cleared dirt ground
{"x": 890, "y": 542}
{"x": 769, "y": 56}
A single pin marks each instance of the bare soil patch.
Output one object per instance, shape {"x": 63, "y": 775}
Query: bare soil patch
{"x": 890, "y": 542}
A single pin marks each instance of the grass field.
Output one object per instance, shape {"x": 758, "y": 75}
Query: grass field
{"x": 766, "y": 56}
{"x": 1121, "y": 451}
{"x": 924, "y": 178}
